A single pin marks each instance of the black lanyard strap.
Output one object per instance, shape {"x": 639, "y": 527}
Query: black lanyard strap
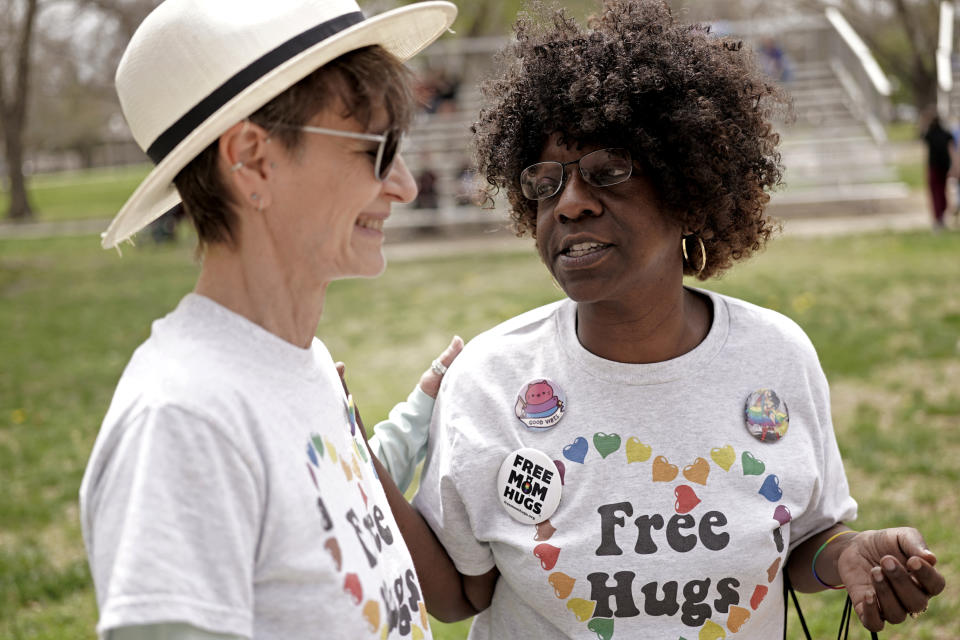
{"x": 845, "y": 617}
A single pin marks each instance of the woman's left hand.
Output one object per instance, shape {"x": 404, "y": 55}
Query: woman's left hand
{"x": 889, "y": 574}
{"x": 432, "y": 377}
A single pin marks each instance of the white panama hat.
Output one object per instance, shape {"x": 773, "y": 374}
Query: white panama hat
{"x": 194, "y": 68}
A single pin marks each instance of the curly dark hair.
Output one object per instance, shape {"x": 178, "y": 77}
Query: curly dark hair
{"x": 694, "y": 110}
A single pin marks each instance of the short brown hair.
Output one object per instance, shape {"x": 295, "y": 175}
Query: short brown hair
{"x": 693, "y": 109}
{"x": 364, "y": 80}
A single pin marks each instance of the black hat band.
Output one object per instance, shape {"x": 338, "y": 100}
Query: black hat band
{"x": 174, "y": 135}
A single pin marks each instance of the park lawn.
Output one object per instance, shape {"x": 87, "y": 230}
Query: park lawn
{"x": 80, "y": 195}
{"x": 883, "y": 311}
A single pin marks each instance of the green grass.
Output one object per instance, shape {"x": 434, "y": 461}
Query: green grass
{"x": 902, "y": 132}
{"x": 912, "y": 174}
{"x": 80, "y": 195}
{"x": 883, "y": 311}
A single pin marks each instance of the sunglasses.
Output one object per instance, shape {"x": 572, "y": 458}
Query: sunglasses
{"x": 386, "y": 151}
{"x": 603, "y": 168}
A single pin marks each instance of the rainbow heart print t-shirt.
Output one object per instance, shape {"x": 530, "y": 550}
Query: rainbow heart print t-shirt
{"x": 676, "y": 518}
{"x": 230, "y": 489}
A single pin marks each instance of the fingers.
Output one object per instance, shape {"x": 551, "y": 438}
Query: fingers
{"x": 431, "y": 378}
{"x": 891, "y": 576}
{"x": 898, "y": 590}
{"x": 451, "y": 352}
{"x": 929, "y": 579}
{"x": 911, "y": 543}
{"x": 868, "y": 612}
{"x": 891, "y": 608}
{"x": 341, "y": 369}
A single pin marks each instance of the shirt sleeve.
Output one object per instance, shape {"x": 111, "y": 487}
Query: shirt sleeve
{"x": 400, "y": 441}
{"x": 830, "y": 501}
{"x": 440, "y": 498}
{"x": 174, "y": 524}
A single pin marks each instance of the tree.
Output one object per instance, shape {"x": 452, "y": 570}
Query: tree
{"x": 901, "y": 34}
{"x": 14, "y": 95}
{"x": 479, "y": 18}
{"x": 906, "y": 47}
{"x": 74, "y": 105}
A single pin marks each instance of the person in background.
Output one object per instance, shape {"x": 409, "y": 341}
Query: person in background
{"x": 774, "y": 60}
{"x": 230, "y": 492}
{"x": 941, "y": 156}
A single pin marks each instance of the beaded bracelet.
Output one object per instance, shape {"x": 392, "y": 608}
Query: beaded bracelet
{"x": 813, "y": 565}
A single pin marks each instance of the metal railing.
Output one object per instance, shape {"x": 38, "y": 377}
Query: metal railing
{"x": 944, "y": 59}
{"x": 440, "y": 142}
{"x": 858, "y": 71}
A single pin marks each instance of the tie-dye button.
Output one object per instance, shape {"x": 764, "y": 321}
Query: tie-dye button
{"x": 529, "y": 486}
{"x": 767, "y": 417}
{"x": 540, "y": 404}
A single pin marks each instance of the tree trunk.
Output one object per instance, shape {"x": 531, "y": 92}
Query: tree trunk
{"x": 19, "y": 208}
{"x": 924, "y": 76}
{"x": 14, "y": 111}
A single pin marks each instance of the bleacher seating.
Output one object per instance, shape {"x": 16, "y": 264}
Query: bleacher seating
{"x": 836, "y": 157}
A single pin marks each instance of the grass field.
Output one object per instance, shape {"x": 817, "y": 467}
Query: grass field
{"x": 81, "y": 195}
{"x": 884, "y": 312}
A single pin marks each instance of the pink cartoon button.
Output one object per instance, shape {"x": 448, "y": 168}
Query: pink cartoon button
{"x": 541, "y": 404}
{"x": 767, "y": 416}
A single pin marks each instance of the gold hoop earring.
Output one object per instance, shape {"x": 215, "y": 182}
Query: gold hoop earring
{"x": 703, "y": 253}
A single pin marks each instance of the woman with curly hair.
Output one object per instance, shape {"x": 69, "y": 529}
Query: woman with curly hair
{"x": 688, "y": 466}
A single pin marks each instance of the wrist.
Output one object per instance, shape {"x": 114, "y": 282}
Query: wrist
{"x": 421, "y": 400}
{"x": 826, "y": 561}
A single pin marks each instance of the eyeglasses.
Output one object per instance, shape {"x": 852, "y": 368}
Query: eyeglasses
{"x": 603, "y": 168}
{"x": 386, "y": 151}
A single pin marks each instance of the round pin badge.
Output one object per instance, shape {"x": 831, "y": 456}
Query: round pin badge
{"x": 767, "y": 416}
{"x": 529, "y": 486}
{"x": 540, "y": 404}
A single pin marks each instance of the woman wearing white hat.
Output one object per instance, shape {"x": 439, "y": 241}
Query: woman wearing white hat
{"x": 230, "y": 492}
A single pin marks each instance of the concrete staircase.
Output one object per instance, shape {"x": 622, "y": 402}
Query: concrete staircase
{"x": 834, "y": 165}
{"x": 440, "y": 143}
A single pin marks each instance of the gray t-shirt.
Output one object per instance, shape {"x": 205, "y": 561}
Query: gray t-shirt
{"x": 229, "y": 490}
{"x": 675, "y": 520}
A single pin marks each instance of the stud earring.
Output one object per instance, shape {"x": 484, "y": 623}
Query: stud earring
{"x": 236, "y": 167}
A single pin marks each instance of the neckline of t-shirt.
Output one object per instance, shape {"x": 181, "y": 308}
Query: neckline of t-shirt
{"x": 643, "y": 374}
{"x": 250, "y": 341}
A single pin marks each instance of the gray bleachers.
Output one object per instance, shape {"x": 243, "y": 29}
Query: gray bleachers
{"x": 837, "y": 160}
{"x": 833, "y": 163}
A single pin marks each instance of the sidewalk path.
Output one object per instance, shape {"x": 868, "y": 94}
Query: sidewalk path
{"x": 500, "y": 239}
{"x": 52, "y": 229}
